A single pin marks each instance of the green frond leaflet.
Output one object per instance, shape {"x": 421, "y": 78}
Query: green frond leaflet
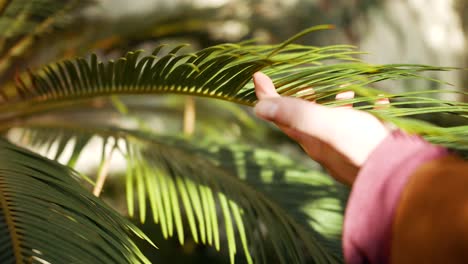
{"x": 47, "y": 216}
{"x": 180, "y": 177}
{"x": 224, "y": 71}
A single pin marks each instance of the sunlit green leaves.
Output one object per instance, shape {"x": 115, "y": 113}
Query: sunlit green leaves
{"x": 213, "y": 199}
{"x": 199, "y": 190}
{"x": 224, "y": 72}
{"x": 220, "y": 71}
{"x": 233, "y": 198}
{"x": 46, "y": 216}
{"x": 312, "y": 198}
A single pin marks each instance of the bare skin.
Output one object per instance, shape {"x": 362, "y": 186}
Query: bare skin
{"x": 429, "y": 225}
{"x": 341, "y": 139}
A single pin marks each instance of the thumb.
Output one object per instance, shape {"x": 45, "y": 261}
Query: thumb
{"x": 264, "y": 87}
{"x": 296, "y": 114}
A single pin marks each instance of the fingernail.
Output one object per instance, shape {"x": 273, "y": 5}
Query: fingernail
{"x": 266, "y": 109}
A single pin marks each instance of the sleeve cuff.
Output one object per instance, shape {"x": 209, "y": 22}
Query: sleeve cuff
{"x": 375, "y": 195}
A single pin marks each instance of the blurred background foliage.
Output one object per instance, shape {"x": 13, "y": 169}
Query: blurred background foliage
{"x": 429, "y": 32}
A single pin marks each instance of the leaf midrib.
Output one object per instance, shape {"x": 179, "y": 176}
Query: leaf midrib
{"x": 31, "y": 107}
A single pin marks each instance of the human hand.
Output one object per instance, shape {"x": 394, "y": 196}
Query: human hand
{"x": 341, "y": 139}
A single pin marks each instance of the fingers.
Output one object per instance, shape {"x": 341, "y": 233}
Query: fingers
{"x": 288, "y": 112}
{"x": 264, "y": 87}
{"x": 344, "y": 96}
{"x": 381, "y": 103}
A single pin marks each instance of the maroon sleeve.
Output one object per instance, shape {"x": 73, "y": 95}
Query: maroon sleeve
{"x": 375, "y": 195}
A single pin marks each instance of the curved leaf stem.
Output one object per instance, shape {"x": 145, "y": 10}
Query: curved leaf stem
{"x": 103, "y": 170}
{"x": 189, "y": 116}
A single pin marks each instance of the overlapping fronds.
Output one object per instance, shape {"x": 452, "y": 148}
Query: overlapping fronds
{"x": 23, "y": 22}
{"x": 224, "y": 72}
{"x": 177, "y": 178}
{"x": 220, "y": 71}
{"x": 305, "y": 193}
{"x": 200, "y": 186}
{"x": 47, "y": 217}
{"x": 221, "y": 192}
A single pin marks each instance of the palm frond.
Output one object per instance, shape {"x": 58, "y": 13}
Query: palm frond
{"x": 47, "y": 217}
{"x": 202, "y": 186}
{"x": 224, "y": 72}
{"x": 175, "y": 180}
{"x": 306, "y": 193}
{"x": 55, "y": 143}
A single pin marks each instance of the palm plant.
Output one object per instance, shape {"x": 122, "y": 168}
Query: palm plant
{"x": 253, "y": 202}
